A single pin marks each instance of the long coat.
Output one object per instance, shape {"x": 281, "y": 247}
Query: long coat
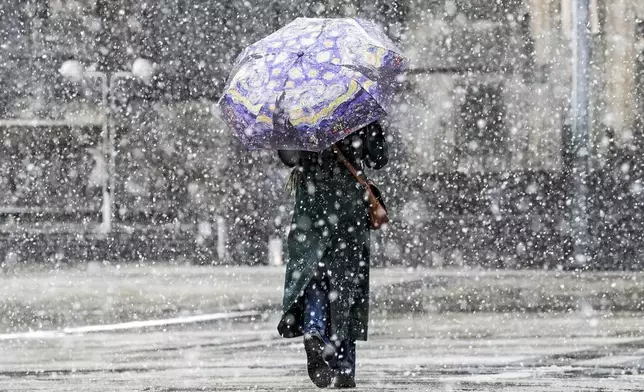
{"x": 330, "y": 233}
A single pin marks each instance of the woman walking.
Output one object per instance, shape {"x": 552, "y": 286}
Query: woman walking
{"x": 326, "y": 290}
{"x": 302, "y": 88}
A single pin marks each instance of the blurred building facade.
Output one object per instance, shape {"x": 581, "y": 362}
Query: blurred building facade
{"x": 480, "y": 158}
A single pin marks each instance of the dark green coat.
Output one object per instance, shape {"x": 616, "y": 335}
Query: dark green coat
{"x": 330, "y": 231}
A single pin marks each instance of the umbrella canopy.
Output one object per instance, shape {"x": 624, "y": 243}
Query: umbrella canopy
{"x": 311, "y": 83}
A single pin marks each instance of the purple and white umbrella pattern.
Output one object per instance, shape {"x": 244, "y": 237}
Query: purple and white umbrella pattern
{"x": 311, "y": 83}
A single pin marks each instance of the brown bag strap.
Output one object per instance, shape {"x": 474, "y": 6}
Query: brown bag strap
{"x": 377, "y": 211}
{"x": 350, "y": 167}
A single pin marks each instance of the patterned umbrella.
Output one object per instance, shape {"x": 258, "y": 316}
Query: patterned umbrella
{"x": 311, "y": 83}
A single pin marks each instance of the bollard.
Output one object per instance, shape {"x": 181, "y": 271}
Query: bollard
{"x": 222, "y": 234}
{"x": 275, "y": 251}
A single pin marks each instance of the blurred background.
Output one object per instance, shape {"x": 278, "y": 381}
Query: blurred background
{"x": 141, "y": 243}
{"x": 111, "y": 147}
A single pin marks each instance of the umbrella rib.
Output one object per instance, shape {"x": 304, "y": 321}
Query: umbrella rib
{"x": 357, "y": 81}
{"x": 277, "y": 99}
{"x": 324, "y": 26}
{"x": 393, "y": 45}
{"x": 369, "y": 94}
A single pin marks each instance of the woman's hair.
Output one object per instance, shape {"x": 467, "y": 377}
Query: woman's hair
{"x": 374, "y": 127}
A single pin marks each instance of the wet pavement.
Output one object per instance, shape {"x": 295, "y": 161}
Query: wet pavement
{"x": 571, "y": 351}
{"x": 39, "y": 297}
{"x": 432, "y": 330}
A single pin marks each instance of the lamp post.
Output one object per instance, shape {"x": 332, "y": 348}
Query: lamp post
{"x": 111, "y": 140}
{"x": 73, "y": 70}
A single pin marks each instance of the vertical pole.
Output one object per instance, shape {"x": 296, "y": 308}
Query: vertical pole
{"x": 222, "y": 239}
{"x": 112, "y": 139}
{"x": 111, "y": 153}
{"x": 106, "y": 211}
{"x": 580, "y": 132}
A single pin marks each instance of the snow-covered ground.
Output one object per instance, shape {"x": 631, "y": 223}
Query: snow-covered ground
{"x": 446, "y": 352}
{"x": 63, "y": 330}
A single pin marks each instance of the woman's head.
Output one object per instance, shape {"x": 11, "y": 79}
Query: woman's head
{"x": 373, "y": 128}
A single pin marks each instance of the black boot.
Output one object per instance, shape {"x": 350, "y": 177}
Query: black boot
{"x": 318, "y": 349}
{"x": 344, "y": 366}
{"x": 344, "y": 380}
{"x": 319, "y": 371}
